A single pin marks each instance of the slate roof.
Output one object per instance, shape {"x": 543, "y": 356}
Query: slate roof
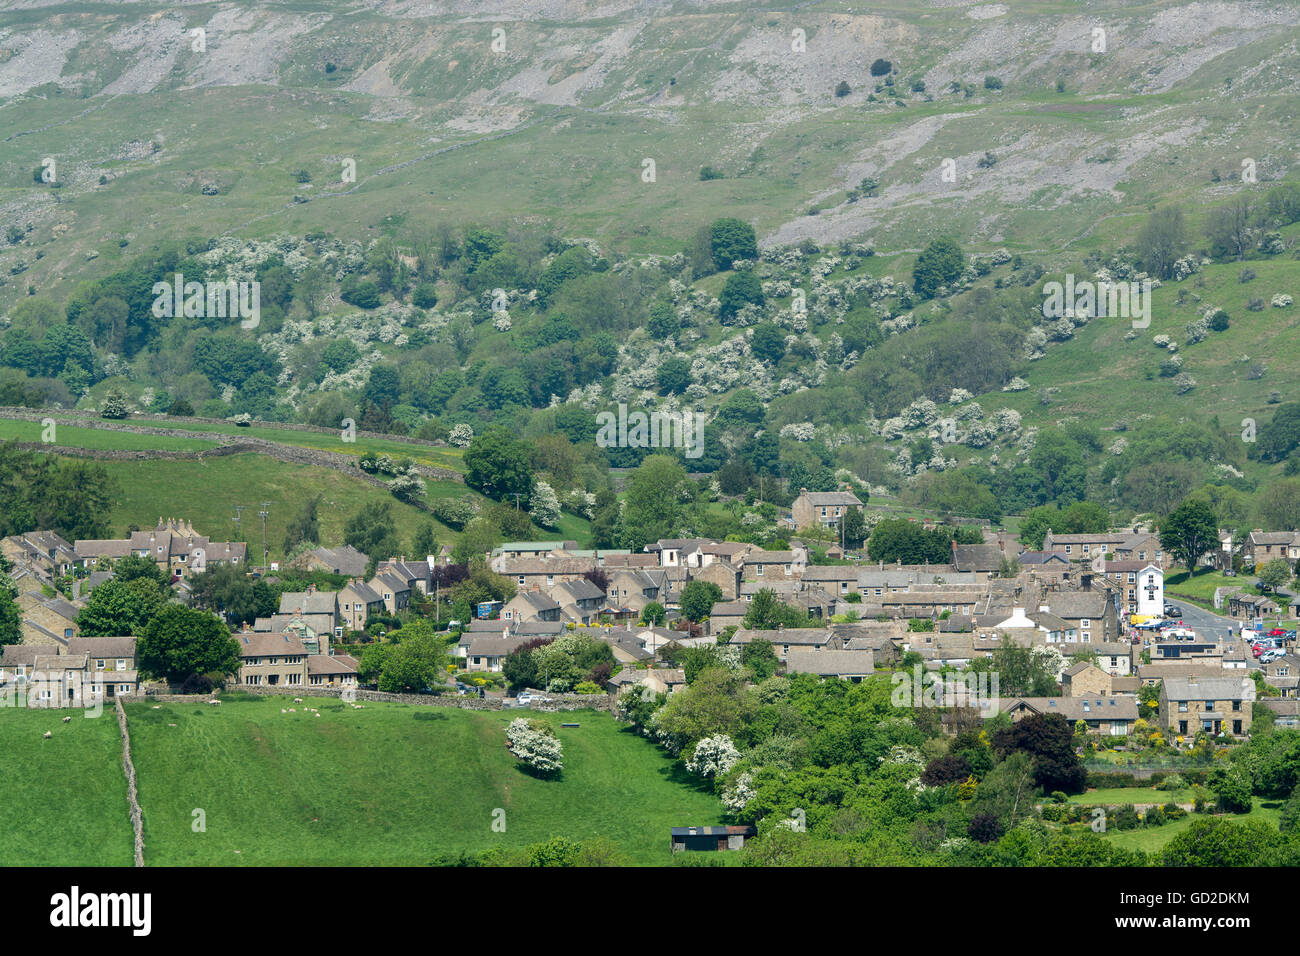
{"x": 102, "y": 646}
{"x": 830, "y": 663}
{"x": 261, "y": 644}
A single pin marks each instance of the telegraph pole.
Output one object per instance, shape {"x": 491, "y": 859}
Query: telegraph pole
{"x": 239, "y": 512}
{"x": 264, "y": 514}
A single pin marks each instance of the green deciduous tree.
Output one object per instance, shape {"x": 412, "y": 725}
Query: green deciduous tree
{"x": 497, "y": 464}
{"x": 120, "y": 608}
{"x": 731, "y": 239}
{"x": 1189, "y": 532}
{"x": 697, "y": 599}
{"x": 940, "y": 263}
{"x": 654, "y": 502}
{"x": 180, "y": 642}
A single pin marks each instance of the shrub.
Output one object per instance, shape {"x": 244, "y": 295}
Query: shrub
{"x": 1172, "y": 782}
{"x": 1231, "y": 786}
{"x": 536, "y": 745}
{"x": 1126, "y": 818}
{"x": 1155, "y": 817}
{"x": 114, "y": 405}
{"x": 985, "y": 827}
{"x": 713, "y": 756}
{"x": 1289, "y": 819}
{"x": 425, "y": 296}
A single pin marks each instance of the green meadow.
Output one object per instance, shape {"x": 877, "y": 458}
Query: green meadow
{"x": 391, "y": 784}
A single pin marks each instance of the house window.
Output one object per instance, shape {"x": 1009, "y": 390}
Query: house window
{"x": 99, "y": 665}
{"x": 121, "y": 663}
{"x": 124, "y": 688}
{"x": 1182, "y": 706}
{"x": 759, "y": 572}
{"x": 521, "y": 579}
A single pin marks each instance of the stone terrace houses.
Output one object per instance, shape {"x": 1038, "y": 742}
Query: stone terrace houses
{"x": 271, "y": 659}
{"x": 825, "y": 508}
{"x": 174, "y": 544}
{"x": 1214, "y": 704}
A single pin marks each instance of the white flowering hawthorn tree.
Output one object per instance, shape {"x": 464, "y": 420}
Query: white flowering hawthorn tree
{"x": 536, "y": 745}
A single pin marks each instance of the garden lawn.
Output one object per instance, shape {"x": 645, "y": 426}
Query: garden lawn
{"x": 1154, "y": 839}
{"x": 1118, "y": 795}
{"x": 64, "y": 798}
{"x": 391, "y": 784}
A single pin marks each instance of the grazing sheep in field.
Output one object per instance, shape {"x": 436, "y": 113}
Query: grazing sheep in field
{"x": 66, "y": 719}
{"x": 48, "y": 735}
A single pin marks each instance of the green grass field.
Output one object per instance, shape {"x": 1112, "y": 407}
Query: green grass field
{"x": 95, "y": 438}
{"x": 1115, "y": 795}
{"x": 206, "y": 493}
{"x": 68, "y": 432}
{"x": 64, "y": 798}
{"x": 1154, "y": 839}
{"x": 389, "y": 784}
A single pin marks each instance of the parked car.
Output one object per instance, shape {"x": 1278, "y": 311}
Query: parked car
{"x": 1173, "y": 610}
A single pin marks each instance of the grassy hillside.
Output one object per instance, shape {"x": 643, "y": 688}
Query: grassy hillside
{"x": 65, "y": 797}
{"x": 206, "y": 493}
{"x": 557, "y": 123}
{"x": 389, "y": 784}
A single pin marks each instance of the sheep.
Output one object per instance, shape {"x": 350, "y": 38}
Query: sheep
{"x": 297, "y": 700}
{"x": 66, "y": 719}
{"x": 48, "y": 735}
